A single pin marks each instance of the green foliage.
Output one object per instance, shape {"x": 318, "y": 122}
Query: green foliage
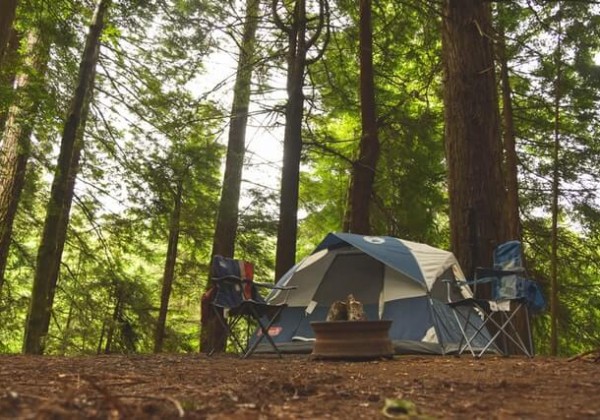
{"x": 552, "y": 48}
{"x": 409, "y": 179}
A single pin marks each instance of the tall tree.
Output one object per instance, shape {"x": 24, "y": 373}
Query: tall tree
{"x": 16, "y": 142}
{"x": 509, "y": 139}
{"x": 363, "y": 175}
{"x": 227, "y": 219}
{"x": 472, "y": 131}
{"x": 548, "y": 42}
{"x": 511, "y": 203}
{"x": 556, "y": 178}
{"x": 228, "y": 214}
{"x": 8, "y": 9}
{"x": 169, "y": 271}
{"x": 48, "y": 255}
{"x": 299, "y": 44}
{"x": 408, "y": 197}
{"x": 8, "y": 72}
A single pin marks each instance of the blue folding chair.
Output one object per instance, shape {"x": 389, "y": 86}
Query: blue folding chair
{"x": 511, "y": 294}
{"x": 236, "y": 298}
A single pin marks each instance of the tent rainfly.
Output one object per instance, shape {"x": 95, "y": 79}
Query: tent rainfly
{"x": 394, "y": 279}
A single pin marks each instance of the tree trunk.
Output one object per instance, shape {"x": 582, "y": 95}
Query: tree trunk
{"x": 8, "y": 9}
{"x": 513, "y": 223}
{"x": 292, "y": 144}
{"x": 227, "y": 219}
{"x": 48, "y": 253}
{"x": 16, "y": 143}
{"x": 169, "y": 273}
{"x": 8, "y": 76}
{"x": 63, "y": 221}
{"x": 510, "y": 148}
{"x": 110, "y": 334}
{"x": 67, "y": 331}
{"x": 364, "y": 168}
{"x": 101, "y": 339}
{"x": 226, "y": 229}
{"x": 555, "y": 196}
{"x": 472, "y": 131}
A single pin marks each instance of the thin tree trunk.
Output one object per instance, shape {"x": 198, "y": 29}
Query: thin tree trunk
{"x": 555, "y": 197}
{"x": 510, "y": 169}
{"x": 63, "y": 221}
{"x": 8, "y": 76}
{"x": 169, "y": 272}
{"x": 227, "y": 221}
{"x": 510, "y": 148}
{"x": 48, "y": 253}
{"x": 228, "y": 215}
{"x": 364, "y": 168}
{"x": 113, "y": 324}
{"x": 287, "y": 228}
{"x": 101, "y": 339}
{"x": 67, "y": 331}
{"x": 472, "y": 132}
{"x": 16, "y": 142}
{"x": 298, "y": 45}
{"x": 8, "y": 10}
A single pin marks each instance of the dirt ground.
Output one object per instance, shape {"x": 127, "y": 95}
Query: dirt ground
{"x": 264, "y": 387}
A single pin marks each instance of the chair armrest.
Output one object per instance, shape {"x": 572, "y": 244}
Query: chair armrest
{"x": 494, "y": 272}
{"x": 457, "y": 283}
{"x": 274, "y": 287}
{"x": 225, "y": 278}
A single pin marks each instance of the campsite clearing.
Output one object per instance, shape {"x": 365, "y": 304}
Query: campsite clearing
{"x": 223, "y": 387}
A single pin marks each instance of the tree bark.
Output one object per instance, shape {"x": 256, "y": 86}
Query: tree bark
{"x": 510, "y": 144}
{"x": 8, "y": 75}
{"x": 8, "y": 10}
{"x": 48, "y": 257}
{"x": 16, "y": 143}
{"x": 227, "y": 220}
{"x": 287, "y": 228}
{"x": 63, "y": 221}
{"x": 364, "y": 168}
{"x": 228, "y": 215}
{"x": 513, "y": 222}
{"x": 472, "y": 131}
{"x": 116, "y": 317}
{"x": 169, "y": 272}
{"x": 555, "y": 195}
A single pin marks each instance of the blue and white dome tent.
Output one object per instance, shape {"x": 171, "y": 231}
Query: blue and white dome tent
{"x": 393, "y": 278}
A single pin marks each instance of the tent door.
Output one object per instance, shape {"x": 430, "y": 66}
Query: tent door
{"x": 356, "y": 274}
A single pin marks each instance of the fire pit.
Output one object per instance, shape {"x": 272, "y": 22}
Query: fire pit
{"x": 352, "y": 339}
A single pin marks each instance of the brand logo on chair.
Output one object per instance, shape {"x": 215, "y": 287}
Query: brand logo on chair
{"x": 273, "y": 331}
{"x": 377, "y": 240}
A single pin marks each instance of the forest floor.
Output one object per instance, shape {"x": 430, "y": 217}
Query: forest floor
{"x": 264, "y": 387}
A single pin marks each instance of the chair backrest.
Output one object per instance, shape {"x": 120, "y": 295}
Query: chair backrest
{"x": 223, "y": 267}
{"x": 233, "y": 280}
{"x": 508, "y": 256}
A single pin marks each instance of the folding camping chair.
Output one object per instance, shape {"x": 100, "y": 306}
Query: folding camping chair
{"x": 511, "y": 294}
{"x": 236, "y": 298}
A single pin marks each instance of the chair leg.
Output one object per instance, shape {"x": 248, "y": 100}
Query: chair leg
{"x": 529, "y": 335}
{"x": 264, "y": 328}
{"x": 220, "y": 317}
{"x": 502, "y": 329}
{"x": 228, "y": 328}
{"x": 464, "y": 334}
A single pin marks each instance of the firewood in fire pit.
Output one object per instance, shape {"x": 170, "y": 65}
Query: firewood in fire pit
{"x": 355, "y": 309}
{"x": 348, "y": 310}
{"x": 338, "y": 311}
